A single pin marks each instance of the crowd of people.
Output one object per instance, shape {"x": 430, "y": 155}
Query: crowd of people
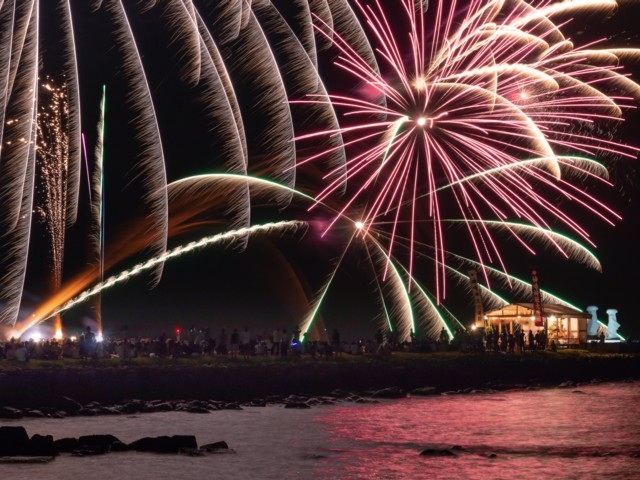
{"x": 194, "y": 342}
{"x": 503, "y": 340}
{"x": 277, "y": 343}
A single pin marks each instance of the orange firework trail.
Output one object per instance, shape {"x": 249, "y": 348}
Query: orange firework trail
{"x": 66, "y": 298}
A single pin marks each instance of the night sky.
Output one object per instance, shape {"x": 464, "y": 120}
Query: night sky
{"x": 270, "y": 283}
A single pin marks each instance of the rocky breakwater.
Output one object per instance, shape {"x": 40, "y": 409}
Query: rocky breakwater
{"x": 17, "y": 446}
{"x": 39, "y": 388}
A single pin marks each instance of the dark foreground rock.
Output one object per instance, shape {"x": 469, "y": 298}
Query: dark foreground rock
{"x": 17, "y": 446}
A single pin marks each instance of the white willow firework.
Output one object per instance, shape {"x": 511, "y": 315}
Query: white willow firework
{"x": 450, "y": 113}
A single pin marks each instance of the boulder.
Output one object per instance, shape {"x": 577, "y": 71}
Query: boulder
{"x": 390, "y": 392}
{"x": 14, "y": 441}
{"x": 424, "y": 391}
{"x": 119, "y": 446}
{"x": 94, "y": 444}
{"x": 297, "y": 405}
{"x": 164, "y": 444}
{"x": 88, "y": 412}
{"x": 216, "y": 447}
{"x": 437, "y": 452}
{"x": 42, "y": 446}
{"x": 197, "y": 409}
{"x": 66, "y": 445}
{"x": 160, "y": 407}
{"x": 35, "y": 414}
{"x": 133, "y": 406}
{"x": 11, "y": 413}
{"x": 68, "y": 405}
{"x": 86, "y": 450}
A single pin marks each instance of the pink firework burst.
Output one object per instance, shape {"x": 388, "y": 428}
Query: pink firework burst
{"x": 478, "y": 114}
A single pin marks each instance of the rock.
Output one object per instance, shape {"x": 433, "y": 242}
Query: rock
{"x": 211, "y": 447}
{"x": 340, "y": 393}
{"x": 390, "y": 392}
{"x": 164, "y": 444}
{"x": 42, "y": 446}
{"x": 25, "y": 459}
{"x": 34, "y": 414}
{"x": 196, "y": 409}
{"x": 119, "y": 446}
{"x": 296, "y": 398}
{"x": 437, "y": 452}
{"x": 424, "y": 391}
{"x": 198, "y": 404}
{"x": 10, "y": 412}
{"x": 132, "y": 406}
{"x": 87, "y": 412}
{"x": 217, "y": 404}
{"x": 160, "y": 407}
{"x": 364, "y": 400}
{"x": 110, "y": 411}
{"x": 66, "y": 445}
{"x": 297, "y": 405}
{"x": 14, "y": 441}
{"x": 274, "y": 399}
{"x": 216, "y": 447}
{"x": 97, "y": 443}
{"x": 68, "y": 405}
{"x": 89, "y": 450}
{"x": 192, "y": 452}
{"x": 314, "y": 456}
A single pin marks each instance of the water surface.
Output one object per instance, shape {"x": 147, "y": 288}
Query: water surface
{"x": 586, "y": 432}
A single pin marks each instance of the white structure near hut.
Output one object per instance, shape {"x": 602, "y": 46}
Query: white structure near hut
{"x": 592, "y": 328}
{"x": 565, "y": 325}
{"x": 610, "y": 330}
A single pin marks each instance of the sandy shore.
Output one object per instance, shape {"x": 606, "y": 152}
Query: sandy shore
{"x": 33, "y": 386}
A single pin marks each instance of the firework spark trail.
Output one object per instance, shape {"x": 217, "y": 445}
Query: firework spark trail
{"x": 473, "y": 106}
{"x": 147, "y": 131}
{"x": 393, "y": 293}
{"x": 218, "y": 43}
{"x": 17, "y": 155}
{"x": 21, "y": 105}
{"x": 431, "y": 313}
{"x": 282, "y": 227}
{"x": 190, "y": 198}
{"x": 502, "y": 86}
{"x": 97, "y": 206}
{"x": 74, "y": 118}
{"x": 53, "y": 169}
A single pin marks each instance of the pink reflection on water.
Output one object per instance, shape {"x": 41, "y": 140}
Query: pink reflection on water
{"x": 587, "y": 432}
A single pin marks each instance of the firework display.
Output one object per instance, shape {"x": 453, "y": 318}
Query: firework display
{"x": 431, "y": 137}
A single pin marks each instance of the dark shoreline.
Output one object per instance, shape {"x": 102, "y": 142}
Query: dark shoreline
{"x": 44, "y": 386}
